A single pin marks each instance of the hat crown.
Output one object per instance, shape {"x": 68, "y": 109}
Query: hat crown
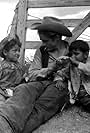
{"x": 49, "y": 20}
{"x": 52, "y": 24}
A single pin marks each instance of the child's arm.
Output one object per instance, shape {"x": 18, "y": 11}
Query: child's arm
{"x": 85, "y": 67}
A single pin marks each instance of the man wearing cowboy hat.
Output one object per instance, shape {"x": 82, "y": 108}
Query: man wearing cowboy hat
{"x": 38, "y": 100}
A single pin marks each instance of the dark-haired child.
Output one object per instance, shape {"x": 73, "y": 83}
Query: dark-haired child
{"x": 76, "y": 69}
{"x": 80, "y": 72}
{"x": 11, "y": 72}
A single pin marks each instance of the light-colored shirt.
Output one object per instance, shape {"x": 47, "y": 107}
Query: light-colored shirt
{"x": 86, "y": 75}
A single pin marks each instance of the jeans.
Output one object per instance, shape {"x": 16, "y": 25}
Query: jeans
{"x": 84, "y": 98}
{"x": 32, "y": 104}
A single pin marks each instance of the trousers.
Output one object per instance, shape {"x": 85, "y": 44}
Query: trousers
{"x": 33, "y": 104}
{"x": 84, "y": 98}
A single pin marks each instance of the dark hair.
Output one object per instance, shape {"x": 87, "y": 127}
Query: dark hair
{"x": 78, "y": 45}
{"x": 11, "y": 44}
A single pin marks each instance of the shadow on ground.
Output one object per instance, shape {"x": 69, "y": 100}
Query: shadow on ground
{"x": 72, "y": 120}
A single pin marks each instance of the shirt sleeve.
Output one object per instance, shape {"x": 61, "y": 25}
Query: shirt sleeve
{"x": 0, "y": 71}
{"x": 84, "y": 67}
{"x": 36, "y": 67}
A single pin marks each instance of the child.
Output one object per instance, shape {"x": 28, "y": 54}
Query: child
{"x": 77, "y": 72}
{"x": 79, "y": 52}
{"x": 11, "y": 72}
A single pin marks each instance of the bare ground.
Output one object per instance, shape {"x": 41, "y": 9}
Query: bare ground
{"x": 72, "y": 120}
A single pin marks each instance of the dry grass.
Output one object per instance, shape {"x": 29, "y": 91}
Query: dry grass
{"x": 73, "y": 120}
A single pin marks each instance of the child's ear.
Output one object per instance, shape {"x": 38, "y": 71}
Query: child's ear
{"x": 5, "y": 52}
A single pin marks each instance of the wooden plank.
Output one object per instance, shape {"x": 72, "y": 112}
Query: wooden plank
{"x": 78, "y": 30}
{"x": 37, "y": 44}
{"x": 13, "y": 30}
{"x": 57, "y": 3}
{"x": 21, "y": 29}
{"x": 67, "y": 22}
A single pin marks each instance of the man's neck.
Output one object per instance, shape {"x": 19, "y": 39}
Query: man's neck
{"x": 59, "y": 52}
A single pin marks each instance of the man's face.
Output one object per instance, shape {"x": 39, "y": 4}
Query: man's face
{"x": 48, "y": 42}
{"x": 80, "y": 56}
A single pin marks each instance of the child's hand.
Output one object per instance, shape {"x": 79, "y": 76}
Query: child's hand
{"x": 62, "y": 62}
{"x": 9, "y": 92}
{"x": 60, "y": 85}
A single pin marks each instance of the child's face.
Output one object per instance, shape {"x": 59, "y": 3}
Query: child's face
{"x": 13, "y": 54}
{"x": 80, "y": 56}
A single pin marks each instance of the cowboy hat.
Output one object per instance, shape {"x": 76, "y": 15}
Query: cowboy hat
{"x": 52, "y": 24}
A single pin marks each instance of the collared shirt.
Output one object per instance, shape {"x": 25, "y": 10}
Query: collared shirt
{"x": 85, "y": 68}
{"x": 11, "y": 74}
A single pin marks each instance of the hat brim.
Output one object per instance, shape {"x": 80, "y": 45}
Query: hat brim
{"x": 54, "y": 27}
{"x": 35, "y": 25}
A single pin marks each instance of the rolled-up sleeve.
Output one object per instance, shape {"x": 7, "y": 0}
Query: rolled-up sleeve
{"x": 85, "y": 67}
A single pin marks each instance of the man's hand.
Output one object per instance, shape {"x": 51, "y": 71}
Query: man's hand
{"x": 43, "y": 72}
{"x": 62, "y": 58}
{"x": 62, "y": 62}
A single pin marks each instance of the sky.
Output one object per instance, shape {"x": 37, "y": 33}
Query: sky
{"x": 7, "y": 8}
{"x": 6, "y": 15}
{"x": 62, "y": 13}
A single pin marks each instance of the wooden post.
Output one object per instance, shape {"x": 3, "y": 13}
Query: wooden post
{"x": 21, "y": 26}
{"x": 77, "y": 31}
{"x": 13, "y": 30}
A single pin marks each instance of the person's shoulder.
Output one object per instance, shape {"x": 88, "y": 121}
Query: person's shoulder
{"x": 6, "y": 64}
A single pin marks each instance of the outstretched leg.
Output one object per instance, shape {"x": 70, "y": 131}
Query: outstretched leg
{"x": 46, "y": 106}
{"x": 18, "y": 107}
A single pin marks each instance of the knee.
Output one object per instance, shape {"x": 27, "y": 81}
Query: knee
{"x": 22, "y": 88}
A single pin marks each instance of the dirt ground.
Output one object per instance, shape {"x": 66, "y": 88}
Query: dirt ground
{"x": 73, "y": 120}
